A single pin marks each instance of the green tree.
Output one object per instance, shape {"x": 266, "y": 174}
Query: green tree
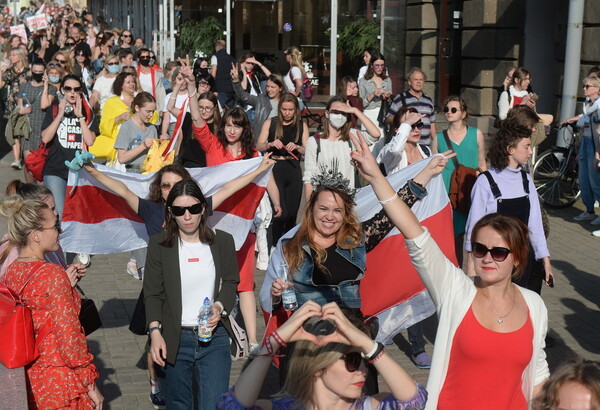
{"x": 200, "y": 36}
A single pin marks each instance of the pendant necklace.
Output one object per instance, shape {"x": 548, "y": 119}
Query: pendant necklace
{"x": 500, "y": 317}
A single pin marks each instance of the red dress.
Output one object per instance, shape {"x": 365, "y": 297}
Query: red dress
{"x": 217, "y": 155}
{"x": 486, "y": 367}
{"x": 61, "y": 374}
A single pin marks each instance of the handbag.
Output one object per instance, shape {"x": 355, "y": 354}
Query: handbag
{"x": 18, "y": 344}
{"x": 89, "y": 317}
{"x": 36, "y": 161}
{"x": 461, "y": 183}
{"x": 239, "y": 340}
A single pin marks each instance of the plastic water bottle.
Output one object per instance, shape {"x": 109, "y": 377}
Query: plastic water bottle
{"x": 26, "y": 102}
{"x": 137, "y": 141}
{"x": 204, "y": 330}
{"x": 289, "y": 295}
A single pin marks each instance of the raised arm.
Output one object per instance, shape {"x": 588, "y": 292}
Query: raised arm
{"x": 188, "y": 76}
{"x": 49, "y": 132}
{"x": 117, "y": 187}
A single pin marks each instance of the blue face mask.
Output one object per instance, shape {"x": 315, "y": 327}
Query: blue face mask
{"x": 53, "y": 80}
{"x": 114, "y": 69}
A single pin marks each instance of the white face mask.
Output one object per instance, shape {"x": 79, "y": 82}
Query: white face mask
{"x": 337, "y": 120}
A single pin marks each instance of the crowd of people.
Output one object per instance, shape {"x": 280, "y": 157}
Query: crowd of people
{"x": 82, "y": 85}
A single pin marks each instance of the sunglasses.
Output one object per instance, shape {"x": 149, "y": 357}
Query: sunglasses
{"x": 352, "y": 361}
{"x": 204, "y": 83}
{"x": 145, "y": 58}
{"x": 193, "y": 209}
{"x": 378, "y": 65}
{"x": 126, "y": 35}
{"x": 453, "y": 110}
{"x": 56, "y": 226}
{"x": 69, "y": 44}
{"x": 112, "y": 63}
{"x": 81, "y": 53}
{"x": 417, "y": 126}
{"x": 71, "y": 89}
{"x": 585, "y": 87}
{"x": 61, "y": 62}
{"x": 498, "y": 254}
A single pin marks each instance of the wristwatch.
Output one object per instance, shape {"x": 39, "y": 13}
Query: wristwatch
{"x": 152, "y": 329}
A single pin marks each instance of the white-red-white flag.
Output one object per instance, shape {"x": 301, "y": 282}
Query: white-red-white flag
{"x": 97, "y": 221}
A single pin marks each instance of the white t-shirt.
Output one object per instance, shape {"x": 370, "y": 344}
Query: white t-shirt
{"x": 178, "y": 104}
{"x": 289, "y": 84}
{"x": 104, "y": 87}
{"x": 198, "y": 274}
{"x": 146, "y": 82}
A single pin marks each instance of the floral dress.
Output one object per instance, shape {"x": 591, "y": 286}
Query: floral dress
{"x": 13, "y": 80}
{"x": 60, "y": 375}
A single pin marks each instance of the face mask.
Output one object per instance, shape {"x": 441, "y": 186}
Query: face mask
{"x": 167, "y": 84}
{"x": 114, "y": 69}
{"x": 151, "y": 61}
{"x": 37, "y": 77}
{"x": 53, "y": 80}
{"x": 145, "y": 62}
{"x": 337, "y": 120}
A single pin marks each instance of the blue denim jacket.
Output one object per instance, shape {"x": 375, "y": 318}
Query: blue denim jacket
{"x": 345, "y": 293}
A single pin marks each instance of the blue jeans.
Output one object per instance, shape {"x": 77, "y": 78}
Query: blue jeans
{"x": 210, "y": 362}
{"x": 416, "y": 339}
{"x": 58, "y": 187}
{"x": 589, "y": 177}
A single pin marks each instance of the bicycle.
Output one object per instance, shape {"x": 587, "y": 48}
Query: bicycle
{"x": 555, "y": 173}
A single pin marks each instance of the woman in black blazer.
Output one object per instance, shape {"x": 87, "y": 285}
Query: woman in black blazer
{"x": 185, "y": 264}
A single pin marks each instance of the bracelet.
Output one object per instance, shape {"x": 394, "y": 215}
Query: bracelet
{"x": 372, "y": 352}
{"x": 373, "y": 360}
{"x": 373, "y": 355}
{"x": 269, "y": 346}
{"x": 194, "y": 93}
{"x": 81, "y": 118}
{"x": 172, "y": 98}
{"x": 389, "y": 201}
{"x": 279, "y": 340}
{"x": 152, "y": 329}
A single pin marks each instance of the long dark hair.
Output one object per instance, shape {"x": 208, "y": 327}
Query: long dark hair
{"x": 154, "y": 193}
{"x": 371, "y": 70}
{"x": 187, "y": 187}
{"x": 239, "y": 118}
{"x": 296, "y": 120}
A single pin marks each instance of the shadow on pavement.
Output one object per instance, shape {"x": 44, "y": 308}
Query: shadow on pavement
{"x": 116, "y": 312}
{"x": 109, "y": 389}
{"x": 584, "y": 283}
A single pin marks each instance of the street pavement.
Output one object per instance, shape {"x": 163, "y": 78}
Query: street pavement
{"x": 573, "y": 308}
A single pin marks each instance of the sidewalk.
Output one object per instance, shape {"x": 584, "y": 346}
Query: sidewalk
{"x": 573, "y": 307}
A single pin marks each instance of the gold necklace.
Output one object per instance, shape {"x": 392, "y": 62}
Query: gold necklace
{"x": 500, "y": 317}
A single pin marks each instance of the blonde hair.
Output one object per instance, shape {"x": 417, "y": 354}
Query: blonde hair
{"x": 296, "y": 55}
{"x": 23, "y": 216}
{"x": 22, "y": 55}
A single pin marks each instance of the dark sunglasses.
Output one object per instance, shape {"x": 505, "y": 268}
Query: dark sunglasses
{"x": 193, "y": 209}
{"x": 72, "y": 89}
{"x": 126, "y": 35}
{"x": 352, "y": 361}
{"x": 56, "y": 226}
{"x": 453, "y": 110}
{"x": 498, "y": 254}
{"x": 145, "y": 58}
{"x": 112, "y": 63}
{"x": 588, "y": 86}
{"x": 61, "y": 62}
{"x": 69, "y": 44}
{"x": 417, "y": 126}
{"x": 80, "y": 53}
{"x": 204, "y": 83}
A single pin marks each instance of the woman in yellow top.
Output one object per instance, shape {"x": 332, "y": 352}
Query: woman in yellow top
{"x": 115, "y": 112}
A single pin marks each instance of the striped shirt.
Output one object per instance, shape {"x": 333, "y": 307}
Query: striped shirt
{"x": 423, "y": 104}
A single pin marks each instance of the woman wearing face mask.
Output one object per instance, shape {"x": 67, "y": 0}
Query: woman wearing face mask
{"x": 285, "y": 136}
{"x": 103, "y": 86}
{"x": 55, "y": 73}
{"x": 333, "y": 145}
{"x": 265, "y": 104}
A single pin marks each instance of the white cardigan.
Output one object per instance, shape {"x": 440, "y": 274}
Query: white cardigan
{"x": 393, "y": 154}
{"x": 453, "y": 292}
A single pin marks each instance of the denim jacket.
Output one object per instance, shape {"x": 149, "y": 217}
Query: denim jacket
{"x": 345, "y": 293}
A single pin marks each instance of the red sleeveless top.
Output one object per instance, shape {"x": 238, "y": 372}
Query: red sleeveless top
{"x": 486, "y": 367}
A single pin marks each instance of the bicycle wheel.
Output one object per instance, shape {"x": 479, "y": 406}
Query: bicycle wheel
{"x": 555, "y": 178}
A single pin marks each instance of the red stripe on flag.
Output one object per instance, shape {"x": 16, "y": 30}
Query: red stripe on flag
{"x": 390, "y": 277}
{"x": 89, "y": 204}
{"x": 244, "y": 202}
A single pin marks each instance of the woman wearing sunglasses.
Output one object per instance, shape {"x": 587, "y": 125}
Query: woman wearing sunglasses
{"x": 327, "y": 372}
{"x": 64, "y": 59}
{"x": 83, "y": 66}
{"x": 186, "y": 264}
{"x": 469, "y": 146}
{"x": 508, "y": 189}
{"x": 66, "y": 126}
{"x": 63, "y": 376}
{"x": 489, "y": 349}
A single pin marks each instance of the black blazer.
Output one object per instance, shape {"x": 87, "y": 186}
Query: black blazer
{"x": 162, "y": 285}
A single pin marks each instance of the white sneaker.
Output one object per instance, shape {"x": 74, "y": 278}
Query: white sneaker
{"x": 133, "y": 270}
{"x": 16, "y": 164}
{"x": 83, "y": 258}
{"x": 596, "y": 233}
{"x": 585, "y": 216}
{"x": 596, "y": 221}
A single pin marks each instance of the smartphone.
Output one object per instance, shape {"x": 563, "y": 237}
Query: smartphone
{"x": 550, "y": 282}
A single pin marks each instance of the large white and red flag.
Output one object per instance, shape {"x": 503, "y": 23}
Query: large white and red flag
{"x": 391, "y": 288}
{"x": 97, "y": 221}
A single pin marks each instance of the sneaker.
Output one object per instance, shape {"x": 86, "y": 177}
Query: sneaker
{"x": 133, "y": 270}
{"x": 16, "y": 164}
{"x": 157, "y": 401}
{"x": 585, "y": 216}
{"x": 596, "y": 221}
{"x": 596, "y": 233}
{"x": 83, "y": 258}
{"x": 422, "y": 360}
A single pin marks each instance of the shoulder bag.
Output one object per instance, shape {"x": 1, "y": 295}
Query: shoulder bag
{"x": 461, "y": 182}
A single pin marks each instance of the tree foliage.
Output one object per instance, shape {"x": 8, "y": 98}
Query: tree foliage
{"x": 200, "y": 36}
{"x": 357, "y": 35}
